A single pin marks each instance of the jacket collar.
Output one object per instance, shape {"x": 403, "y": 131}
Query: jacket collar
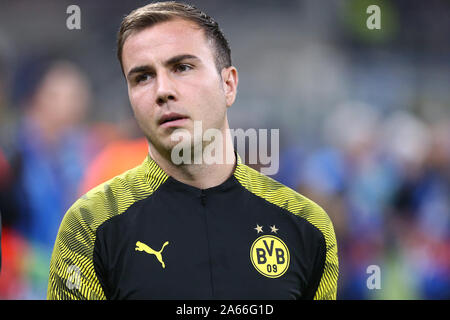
{"x": 155, "y": 175}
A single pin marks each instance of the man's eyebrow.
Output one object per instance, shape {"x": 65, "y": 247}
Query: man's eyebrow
{"x": 171, "y": 61}
{"x": 181, "y": 57}
{"x": 139, "y": 69}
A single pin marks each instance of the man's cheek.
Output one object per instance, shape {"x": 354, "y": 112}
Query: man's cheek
{"x": 142, "y": 118}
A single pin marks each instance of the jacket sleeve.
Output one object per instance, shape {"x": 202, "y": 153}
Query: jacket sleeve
{"x": 72, "y": 274}
{"x": 327, "y": 287}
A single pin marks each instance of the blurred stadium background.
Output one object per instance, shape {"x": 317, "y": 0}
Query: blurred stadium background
{"x": 364, "y": 119}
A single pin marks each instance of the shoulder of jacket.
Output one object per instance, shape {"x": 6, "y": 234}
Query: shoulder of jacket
{"x": 110, "y": 198}
{"x": 283, "y": 197}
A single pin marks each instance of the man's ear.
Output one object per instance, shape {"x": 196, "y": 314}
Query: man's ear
{"x": 230, "y": 82}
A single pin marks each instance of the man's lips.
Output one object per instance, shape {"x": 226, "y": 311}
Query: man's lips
{"x": 172, "y": 119}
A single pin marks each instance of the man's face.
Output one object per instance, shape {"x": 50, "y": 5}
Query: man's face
{"x": 173, "y": 81}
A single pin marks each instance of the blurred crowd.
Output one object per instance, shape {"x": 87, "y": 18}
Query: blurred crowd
{"x": 364, "y": 126}
{"x": 385, "y": 183}
{"x": 51, "y": 158}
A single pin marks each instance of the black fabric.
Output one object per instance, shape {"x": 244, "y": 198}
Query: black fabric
{"x": 209, "y": 233}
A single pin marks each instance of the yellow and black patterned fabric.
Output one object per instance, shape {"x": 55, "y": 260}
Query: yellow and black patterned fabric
{"x": 145, "y": 235}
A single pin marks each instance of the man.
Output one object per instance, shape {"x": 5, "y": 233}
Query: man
{"x": 194, "y": 230}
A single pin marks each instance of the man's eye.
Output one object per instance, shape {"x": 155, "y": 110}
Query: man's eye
{"x": 142, "y": 77}
{"x": 182, "y": 67}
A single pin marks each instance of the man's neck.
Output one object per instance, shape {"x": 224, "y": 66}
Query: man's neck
{"x": 202, "y": 175}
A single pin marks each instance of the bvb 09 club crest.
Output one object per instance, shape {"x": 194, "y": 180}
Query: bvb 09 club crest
{"x": 270, "y": 256}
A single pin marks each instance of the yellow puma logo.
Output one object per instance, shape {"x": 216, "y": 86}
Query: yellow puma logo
{"x": 143, "y": 247}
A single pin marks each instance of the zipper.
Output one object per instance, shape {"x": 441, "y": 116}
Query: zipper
{"x": 203, "y": 198}
{"x": 205, "y": 216}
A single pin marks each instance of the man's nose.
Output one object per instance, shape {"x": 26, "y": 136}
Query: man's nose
{"x": 165, "y": 89}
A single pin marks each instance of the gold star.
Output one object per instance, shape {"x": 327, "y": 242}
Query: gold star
{"x": 258, "y": 228}
{"x": 274, "y": 229}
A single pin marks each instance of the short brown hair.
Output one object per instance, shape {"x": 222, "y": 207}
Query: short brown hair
{"x": 154, "y": 13}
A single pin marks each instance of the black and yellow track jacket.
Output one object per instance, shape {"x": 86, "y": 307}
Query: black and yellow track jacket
{"x": 145, "y": 235}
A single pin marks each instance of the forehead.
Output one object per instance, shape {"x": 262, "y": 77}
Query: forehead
{"x": 164, "y": 40}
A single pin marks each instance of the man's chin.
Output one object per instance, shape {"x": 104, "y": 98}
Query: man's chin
{"x": 169, "y": 145}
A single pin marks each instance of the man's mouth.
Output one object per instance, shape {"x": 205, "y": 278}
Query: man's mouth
{"x": 172, "y": 119}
